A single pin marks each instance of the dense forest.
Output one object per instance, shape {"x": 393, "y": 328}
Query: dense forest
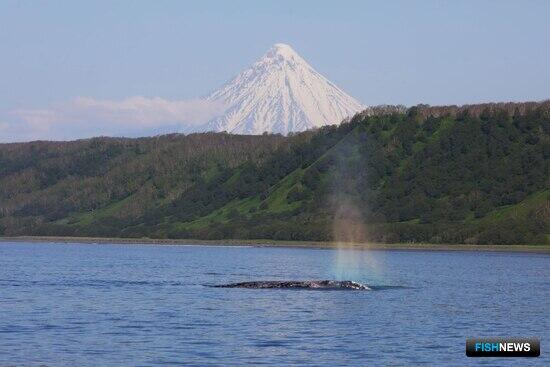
{"x": 471, "y": 174}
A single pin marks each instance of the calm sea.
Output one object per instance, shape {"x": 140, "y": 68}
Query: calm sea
{"x": 145, "y": 305}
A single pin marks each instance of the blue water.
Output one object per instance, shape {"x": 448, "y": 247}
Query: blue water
{"x": 128, "y": 305}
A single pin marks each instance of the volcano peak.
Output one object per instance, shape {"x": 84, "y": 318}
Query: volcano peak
{"x": 280, "y": 93}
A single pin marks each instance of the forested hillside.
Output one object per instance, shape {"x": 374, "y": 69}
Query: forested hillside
{"x": 470, "y": 174}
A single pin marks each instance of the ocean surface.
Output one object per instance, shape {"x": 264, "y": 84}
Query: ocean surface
{"x": 150, "y": 305}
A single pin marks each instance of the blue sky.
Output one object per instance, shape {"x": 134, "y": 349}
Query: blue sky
{"x": 394, "y": 52}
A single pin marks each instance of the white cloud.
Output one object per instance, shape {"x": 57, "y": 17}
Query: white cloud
{"x": 86, "y": 117}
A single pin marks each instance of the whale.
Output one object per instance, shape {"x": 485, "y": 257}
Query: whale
{"x": 298, "y": 284}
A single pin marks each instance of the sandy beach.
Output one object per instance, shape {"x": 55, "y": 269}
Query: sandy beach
{"x": 275, "y": 243}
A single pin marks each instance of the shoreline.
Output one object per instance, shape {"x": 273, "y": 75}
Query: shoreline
{"x": 545, "y": 249}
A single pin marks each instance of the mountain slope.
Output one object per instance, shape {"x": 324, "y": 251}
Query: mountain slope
{"x": 474, "y": 174}
{"x": 280, "y": 93}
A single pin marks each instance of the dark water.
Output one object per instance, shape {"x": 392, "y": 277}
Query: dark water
{"x": 123, "y": 305}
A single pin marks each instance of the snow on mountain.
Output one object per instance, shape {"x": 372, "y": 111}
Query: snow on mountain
{"x": 280, "y": 93}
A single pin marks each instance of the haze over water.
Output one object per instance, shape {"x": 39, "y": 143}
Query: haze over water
{"x": 113, "y": 305}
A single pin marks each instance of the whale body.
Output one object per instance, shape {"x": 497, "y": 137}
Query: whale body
{"x": 298, "y": 284}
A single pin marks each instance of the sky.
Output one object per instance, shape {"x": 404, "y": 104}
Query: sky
{"x": 72, "y": 69}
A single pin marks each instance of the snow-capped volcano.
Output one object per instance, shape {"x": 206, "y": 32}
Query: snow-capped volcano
{"x": 280, "y": 93}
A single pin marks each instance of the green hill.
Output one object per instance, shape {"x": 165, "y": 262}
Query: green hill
{"x": 470, "y": 174}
